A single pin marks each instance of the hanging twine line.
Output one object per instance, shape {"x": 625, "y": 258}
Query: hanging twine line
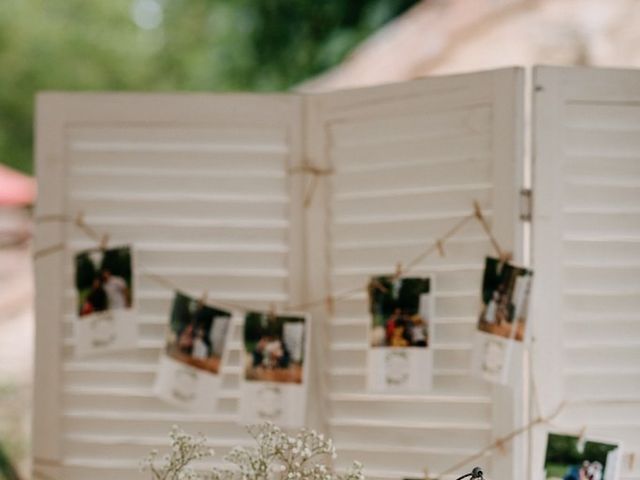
{"x": 328, "y": 301}
{"x": 316, "y": 172}
{"x": 477, "y": 212}
{"x": 400, "y": 268}
{"x": 501, "y": 442}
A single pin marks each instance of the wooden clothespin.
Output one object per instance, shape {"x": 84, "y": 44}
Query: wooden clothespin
{"x": 500, "y": 446}
{"x": 631, "y": 460}
{"x": 330, "y": 304}
{"x": 79, "y": 219}
{"x": 425, "y": 471}
{"x": 582, "y": 434}
{"x": 203, "y": 298}
{"x": 581, "y": 439}
{"x": 505, "y": 257}
{"x": 399, "y": 270}
{"x": 272, "y": 311}
{"x": 104, "y": 241}
{"x": 374, "y": 284}
{"x": 477, "y": 211}
{"x": 440, "y": 247}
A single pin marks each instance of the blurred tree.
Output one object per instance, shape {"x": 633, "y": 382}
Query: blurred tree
{"x": 150, "y": 45}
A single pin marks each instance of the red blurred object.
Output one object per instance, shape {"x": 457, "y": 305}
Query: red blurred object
{"x": 16, "y": 189}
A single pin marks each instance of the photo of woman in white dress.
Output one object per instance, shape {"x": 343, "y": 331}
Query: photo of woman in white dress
{"x": 505, "y": 295}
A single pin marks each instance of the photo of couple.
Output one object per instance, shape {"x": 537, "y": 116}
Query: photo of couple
{"x": 197, "y": 333}
{"x": 274, "y": 347}
{"x": 103, "y": 280}
{"x": 573, "y": 458}
{"x": 505, "y": 299}
{"x": 400, "y": 311}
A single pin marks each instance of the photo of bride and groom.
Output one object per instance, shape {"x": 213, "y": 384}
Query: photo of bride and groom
{"x": 197, "y": 333}
{"x": 103, "y": 279}
{"x": 505, "y": 299}
{"x": 274, "y": 347}
{"x": 400, "y": 311}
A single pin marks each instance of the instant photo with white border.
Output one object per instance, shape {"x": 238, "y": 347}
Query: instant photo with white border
{"x": 393, "y": 369}
{"x": 498, "y": 345}
{"x": 182, "y": 378}
{"x": 264, "y": 397}
{"x": 105, "y": 301}
{"x": 609, "y": 471}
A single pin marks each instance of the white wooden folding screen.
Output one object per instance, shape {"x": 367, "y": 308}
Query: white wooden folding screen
{"x": 408, "y": 161}
{"x": 200, "y": 185}
{"x": 586, "y": 253}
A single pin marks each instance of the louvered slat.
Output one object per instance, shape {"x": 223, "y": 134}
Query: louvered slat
{"x": 408, "y": 162}
{"x": 199, "y": 187}
{"x": 587, "y": 244}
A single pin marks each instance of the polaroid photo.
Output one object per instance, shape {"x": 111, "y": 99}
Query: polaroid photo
{"x": 105, "y": 319}
{"x": 501, "y": 327}
{"x": 276, "y": 366}
{"x": 505, "y": 299}
{"x": 189, "y": 369}
{"x": 570, "y": 457}
{"x": 400, "y": 359}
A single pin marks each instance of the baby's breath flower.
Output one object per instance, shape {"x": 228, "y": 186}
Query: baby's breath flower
{"x": 276, "y": 456}
{"x": 174, "y": 465}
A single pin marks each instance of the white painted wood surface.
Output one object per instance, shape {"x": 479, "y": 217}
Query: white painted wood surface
{"x": 586, "y": 253}
{"x": 199, "y": 184}
{"x": 408, "y": 161}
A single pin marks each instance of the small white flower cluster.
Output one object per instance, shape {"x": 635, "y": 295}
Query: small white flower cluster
{"x": 276, "y": 456}
{"x": 175, "y": 465}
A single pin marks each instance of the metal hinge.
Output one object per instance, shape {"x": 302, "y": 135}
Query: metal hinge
{"x": 526, "y": 204}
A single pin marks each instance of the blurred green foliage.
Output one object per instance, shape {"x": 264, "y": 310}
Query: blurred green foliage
{"x": 562, "y": 450}
{"x": 14, "y": 401}
{"x": 216, "y": 45}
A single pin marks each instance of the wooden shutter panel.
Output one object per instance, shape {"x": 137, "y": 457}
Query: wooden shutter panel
{"x": 408, "y": 162}
{"x": 586, "y": 248}
{"x": 199, "y": 184}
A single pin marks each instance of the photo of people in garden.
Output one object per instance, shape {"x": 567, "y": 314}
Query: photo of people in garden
{"x": 103, "y": 280}
{"x": 400, "y": 311}
{"x": 197, "y": 333}
{"x": 505, "y": 299}
{"x": 274, "y": 347}
{"x": 574, "y": 458}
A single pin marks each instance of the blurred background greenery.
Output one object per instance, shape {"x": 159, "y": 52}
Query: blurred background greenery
{"x": 152, "y": 45}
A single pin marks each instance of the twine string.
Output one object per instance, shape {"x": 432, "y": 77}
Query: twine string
{"x": 329, "y": 301}
{"x": 502, "y": 441}
{"x": 308, "y": 168}
{"x": 477, "y": 212}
